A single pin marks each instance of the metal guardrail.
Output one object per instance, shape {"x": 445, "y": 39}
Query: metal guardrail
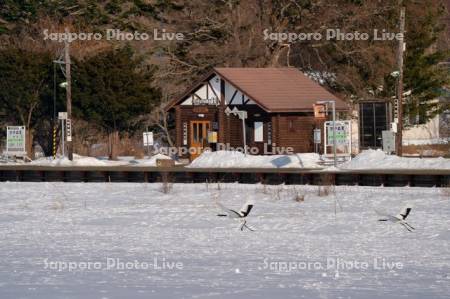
{"x": 181, "y": 174}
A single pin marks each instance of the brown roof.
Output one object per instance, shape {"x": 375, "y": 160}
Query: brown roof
{"x": 276, "y": 89}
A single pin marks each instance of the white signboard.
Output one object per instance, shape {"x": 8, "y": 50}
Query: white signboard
{"x": 210, "y": 101}
{"x": 317, "y": 136}
{"x": 69, "y": 129}
{"x": 343, "y": 137}
{"x": 394, "y": 127}
{"x": 15, "y": 141}
{"x": 185, "y": 133}
{"x": 259, "y": 131}
{"x": 388, "y": 141}
{"x": 342, "y": 133}
{"x": 62, "y": 115}
{"x": 148, "y": 138}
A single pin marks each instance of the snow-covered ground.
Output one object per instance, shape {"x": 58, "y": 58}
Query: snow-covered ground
{"x": 377, "y": 159}
{"x": 236, "y": 159}
{"x": 369, "y": 159}
{"x": 323, "y": 247}
{"x": 151, "y": 161}
{"x": 79, "y": 160}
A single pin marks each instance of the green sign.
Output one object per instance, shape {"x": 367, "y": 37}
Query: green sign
{"x": 341, "y": 134}
{"x": 15, "y": 140}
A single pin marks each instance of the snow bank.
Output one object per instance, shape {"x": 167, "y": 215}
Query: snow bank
{"x": 77, "y": 161}
{"x": 151, "y": 161}
{"x": 426, "y": 141}
{"x": 92, "y": 161}
{"x": 377, "y": 159}
{"x": 234, "y": 159}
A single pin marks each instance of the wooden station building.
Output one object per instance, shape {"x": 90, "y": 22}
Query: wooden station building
{"x": 279, "y": 103}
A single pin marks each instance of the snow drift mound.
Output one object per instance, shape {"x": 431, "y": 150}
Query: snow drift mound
{"x": 92, "y": 161}
{"x": 77, "y": 161}
{"x": 235, "y": 159}
{"x": 152, "y": 160}
{"x": 377, "y": 159}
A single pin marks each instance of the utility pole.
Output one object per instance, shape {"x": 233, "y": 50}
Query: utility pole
{"x": 333, "y": 106}
{"x": 401, "y": 49}
{"x": 333, "y": 103}
{"x": 68, "y": 96}
{"x": 55, "y": 119}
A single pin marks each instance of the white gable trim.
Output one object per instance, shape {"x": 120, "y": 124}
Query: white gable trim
{"x": 210, "y": 91}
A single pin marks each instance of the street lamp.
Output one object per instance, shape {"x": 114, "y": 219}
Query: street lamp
{"x": 242, "y": 115}
{"x": 333, "y": 105}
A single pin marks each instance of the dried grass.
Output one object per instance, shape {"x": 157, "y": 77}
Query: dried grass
{"x": 326, "y": 185}
{"x": 445, "y": 191}
{"x": 166, "y": 182}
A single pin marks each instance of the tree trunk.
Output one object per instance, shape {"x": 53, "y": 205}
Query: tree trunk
{"x": 43, "y": 135}
{"x": 29, "y": 143}
{"x": 113, "y": 138}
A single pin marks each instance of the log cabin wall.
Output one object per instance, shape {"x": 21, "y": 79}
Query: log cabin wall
{"x": 267, "y": 94}
{"x": 282, "y": 130}
{"x": 234, "y": 134}
{"x": 296, "y": 131}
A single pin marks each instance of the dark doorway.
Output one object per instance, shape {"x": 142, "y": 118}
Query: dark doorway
{"x": 372, "y": 121}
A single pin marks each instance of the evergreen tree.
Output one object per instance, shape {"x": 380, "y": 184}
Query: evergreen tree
{"x": 25, "y": 78}
{"x": 423, "y": 74}
{"x": 113, "y": 89}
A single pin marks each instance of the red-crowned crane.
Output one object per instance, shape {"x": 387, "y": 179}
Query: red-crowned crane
{"x": 241, "y": 214}
{"x": 399, "y": 218}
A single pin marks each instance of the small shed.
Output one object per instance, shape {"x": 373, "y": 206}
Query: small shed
{"x": 279, "y": 105}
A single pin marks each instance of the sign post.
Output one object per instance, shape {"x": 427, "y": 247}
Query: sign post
{"x": 339, "y": 135}
{"x": 62, "y": 116}
{"x": 69, "y": 129}
{"x": 148, "y": 140}
{"x": 15, "y": 141}
{"x": 333, "y": 105}
{"x": 243, "y": 116}
{"x": 317, "y": 139}
{"x": 68, "y": 86}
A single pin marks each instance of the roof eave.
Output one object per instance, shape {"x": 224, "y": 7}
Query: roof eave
{"x": 241, "y": 90}
{"x": 301, "y": 110}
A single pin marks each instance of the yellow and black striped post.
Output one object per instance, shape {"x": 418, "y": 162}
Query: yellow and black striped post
{"x": 54, "y": 142}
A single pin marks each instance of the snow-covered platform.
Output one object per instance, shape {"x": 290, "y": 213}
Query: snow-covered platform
{"x": 367, "y": 160}
{"x": 373, "y": 168}
{"x": 134, "y": 241}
